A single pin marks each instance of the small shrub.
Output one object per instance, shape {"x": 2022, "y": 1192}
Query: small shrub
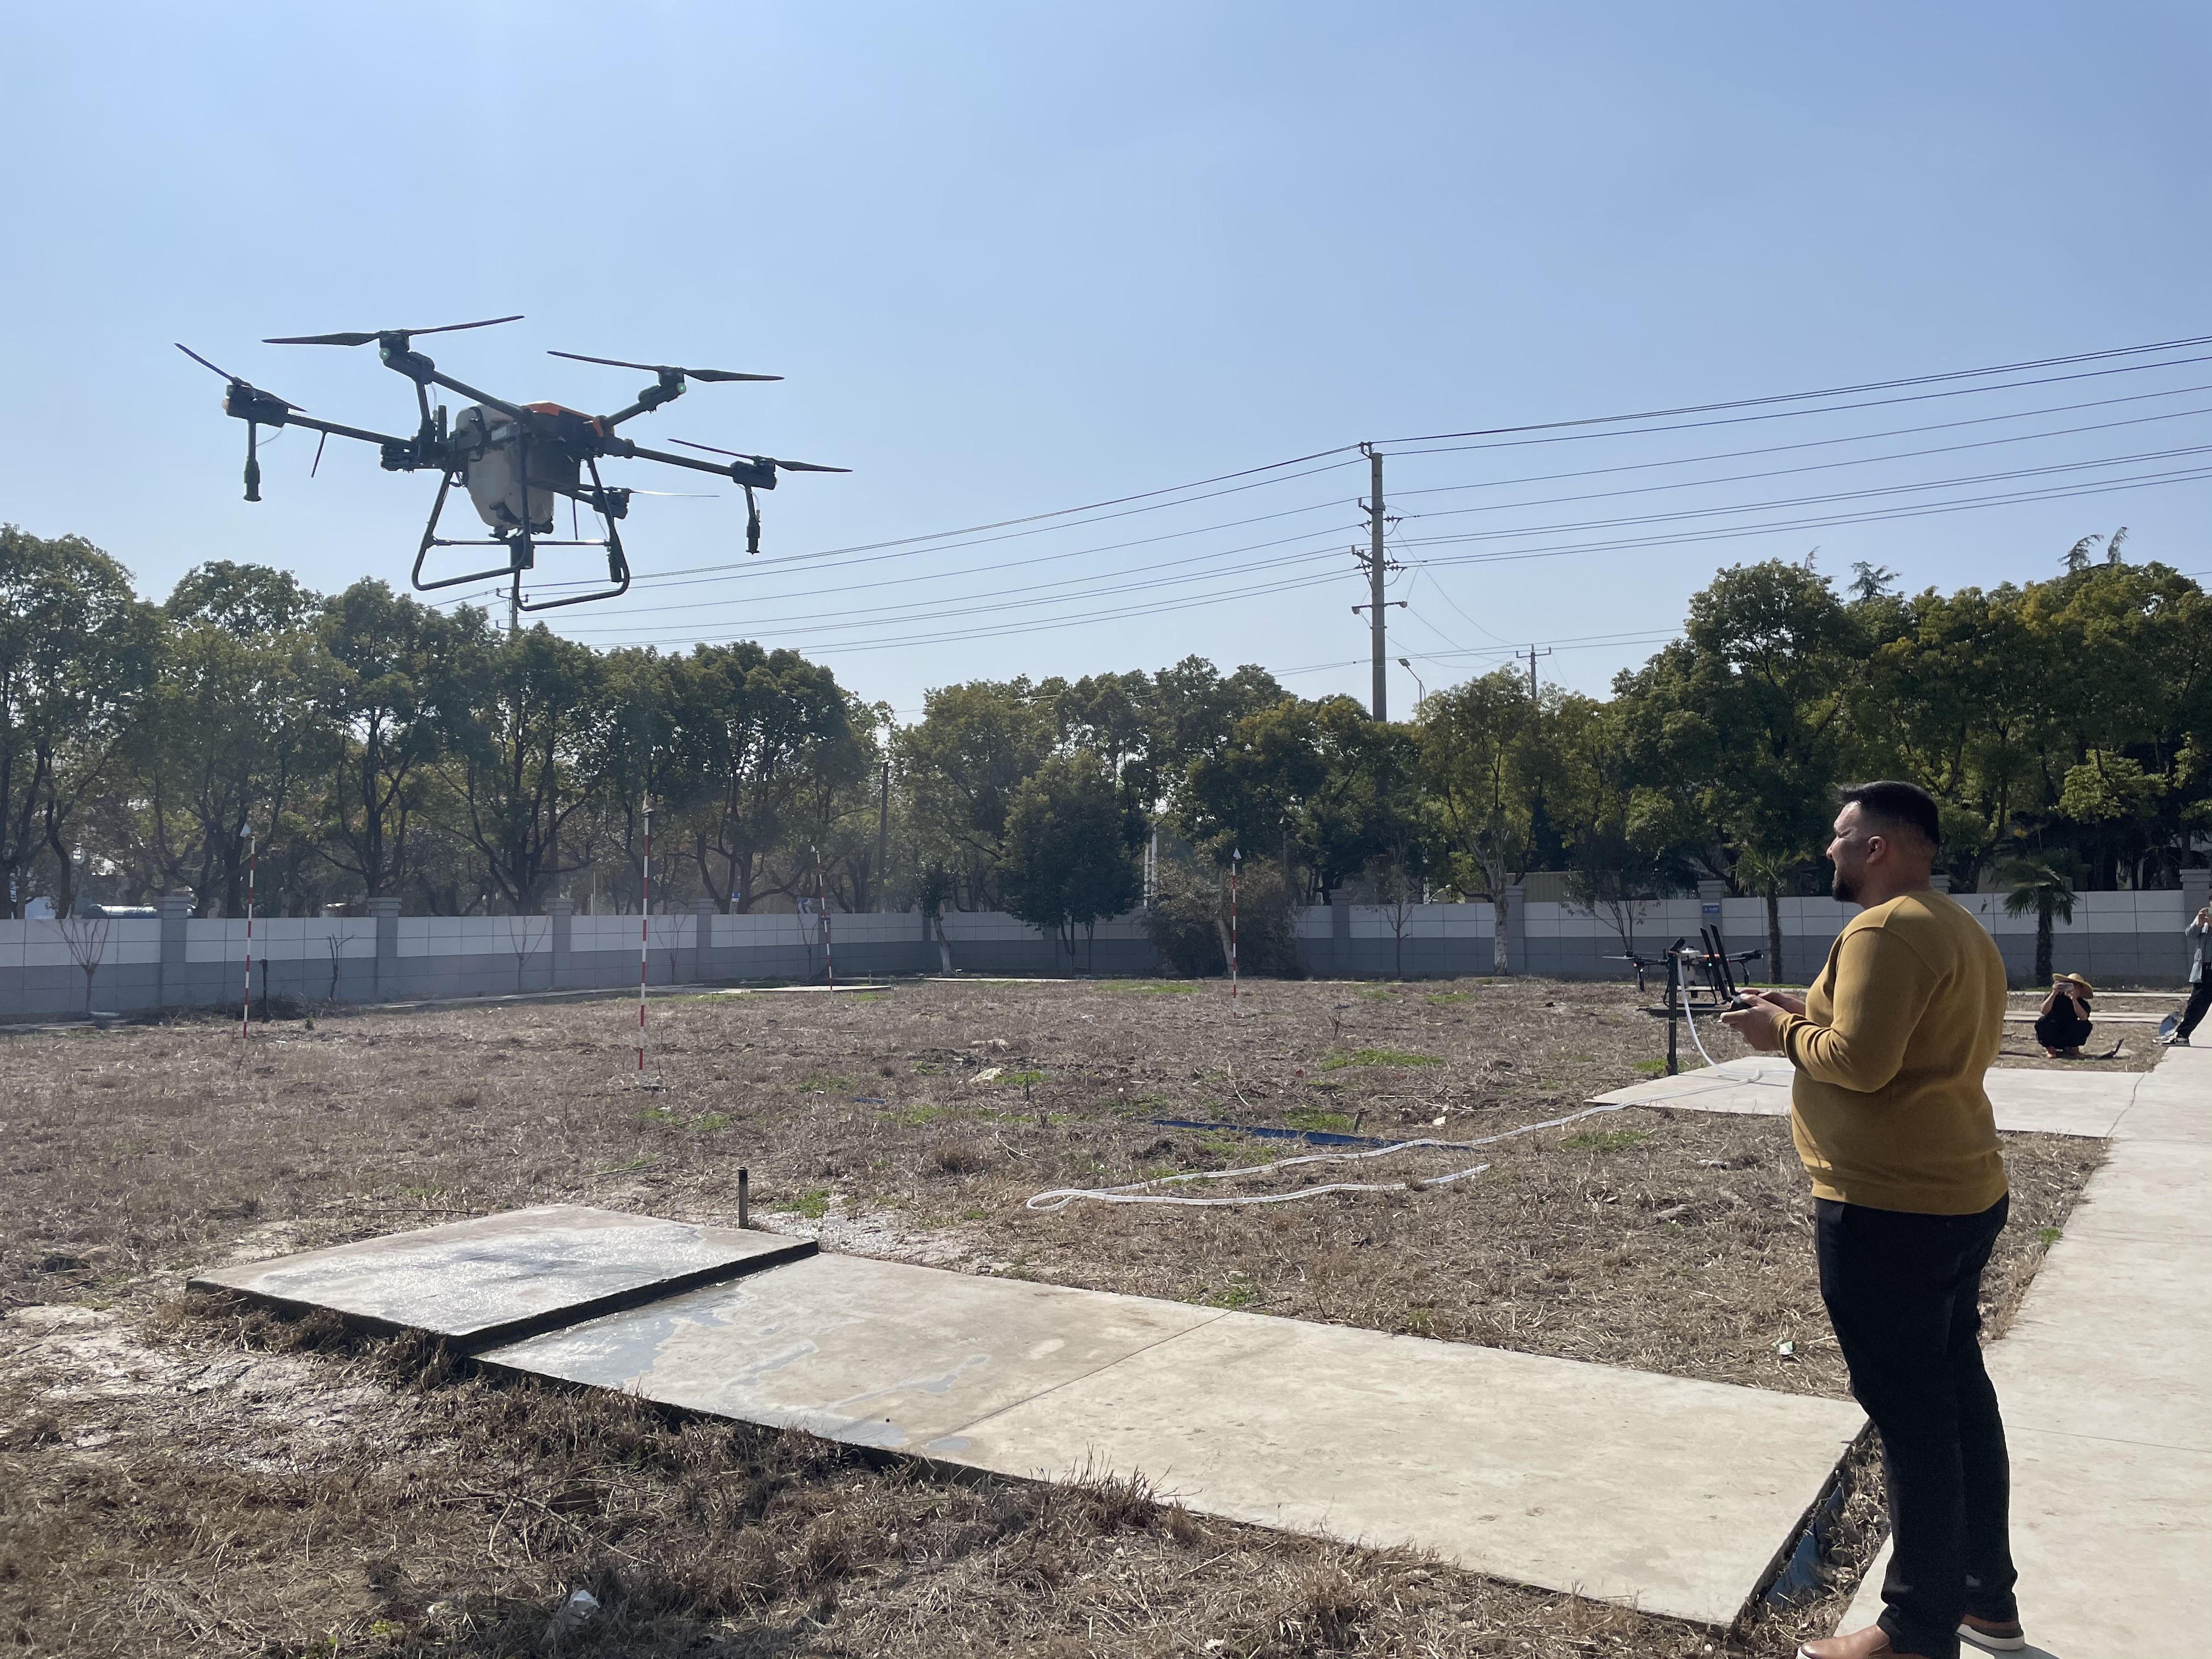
{"x": 957, "y": 1158}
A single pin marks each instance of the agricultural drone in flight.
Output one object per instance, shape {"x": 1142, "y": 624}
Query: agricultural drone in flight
{"x": 515, "y": 460}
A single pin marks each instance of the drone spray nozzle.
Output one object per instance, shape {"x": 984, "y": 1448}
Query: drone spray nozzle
{"x": 253, "y": 462}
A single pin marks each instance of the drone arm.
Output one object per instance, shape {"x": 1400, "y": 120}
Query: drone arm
{"x": 337, "y": 431}
{"x": 759, "y": 474}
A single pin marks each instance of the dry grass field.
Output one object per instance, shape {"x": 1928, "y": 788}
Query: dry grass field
{"x": 180, "y": 1475}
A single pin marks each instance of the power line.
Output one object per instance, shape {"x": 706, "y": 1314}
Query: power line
{"x": 1844, "y": 391}
{"x": 915, "y": 544}
{"x": 1675, "y": 539}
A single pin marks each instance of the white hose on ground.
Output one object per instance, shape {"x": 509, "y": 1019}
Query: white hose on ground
{"x": 1058, "y": 1198}
{"x": 1061, "y": 1197}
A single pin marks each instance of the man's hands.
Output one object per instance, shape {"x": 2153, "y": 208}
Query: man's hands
{"x": 1759, "y": 1022}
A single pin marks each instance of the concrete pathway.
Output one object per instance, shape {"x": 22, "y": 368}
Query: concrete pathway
{"x": 2026, "y": 1101}
{"x": 2108, "y": 1407}
{"x": 1671, "y": 1494}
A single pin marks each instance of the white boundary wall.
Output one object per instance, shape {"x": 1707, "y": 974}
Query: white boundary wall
{"x": 177, "y": 962}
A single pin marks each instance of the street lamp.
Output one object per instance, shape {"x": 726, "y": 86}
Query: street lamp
{"x": 1422, "y": 690}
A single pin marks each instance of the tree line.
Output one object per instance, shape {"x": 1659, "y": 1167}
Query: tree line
{"x": 372, "y": 745}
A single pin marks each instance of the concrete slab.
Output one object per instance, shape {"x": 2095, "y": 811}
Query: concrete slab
{"x": 2106, "y": 1382}
{"x": 1670, "y": 1494}
{"x": 1673, "y": 1494}
{"x": 494, "y": 1278}
{"x": 2025, "y": 1101}
{"x": 2174, "y": 1102}
{"x": 876, "y": 1353}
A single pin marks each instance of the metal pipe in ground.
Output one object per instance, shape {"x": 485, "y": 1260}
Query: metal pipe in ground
{"x": 744, "y": 1198}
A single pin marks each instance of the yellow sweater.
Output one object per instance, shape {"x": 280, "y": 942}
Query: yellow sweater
{"x": 1887, "y": 1109}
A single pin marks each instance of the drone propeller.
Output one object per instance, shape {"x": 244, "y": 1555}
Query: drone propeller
{"x": 665, "y": 368}
{"x": 370, "y": 338}
{"x": 765, "y": 460}
{"x": 227, "y": 376}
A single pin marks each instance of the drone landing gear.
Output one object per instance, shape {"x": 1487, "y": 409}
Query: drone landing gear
{"x": 522, "y": 546}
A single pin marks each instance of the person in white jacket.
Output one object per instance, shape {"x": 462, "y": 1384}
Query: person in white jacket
{"x": 2199, "y": 982}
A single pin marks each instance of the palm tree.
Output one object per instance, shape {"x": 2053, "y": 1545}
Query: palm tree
{"x": 2047, "y": 890}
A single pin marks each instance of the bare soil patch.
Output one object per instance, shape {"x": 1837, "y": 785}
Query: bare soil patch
{"x": 177, "y": 1479}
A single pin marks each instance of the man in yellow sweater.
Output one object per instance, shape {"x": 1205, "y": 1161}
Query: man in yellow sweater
{"x": 1909, "y": 1196}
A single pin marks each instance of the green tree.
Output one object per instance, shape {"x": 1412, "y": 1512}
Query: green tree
{"x": 390, "y": 682}
{"x": 1069, "y": 860}
{"x": 232, "y": 737}
{"x": 753, "y": 729}
{"x": 960, "y": 766}
{"x": 1737, "y": 731}
{"x": 1483, "y": 760}
{"x": 2044, "y": 886}
{"x": 519, "y": 710}
{"x": 76, "y": 660}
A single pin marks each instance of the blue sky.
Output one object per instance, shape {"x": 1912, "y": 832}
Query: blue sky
{"x": 1018, "y": 259}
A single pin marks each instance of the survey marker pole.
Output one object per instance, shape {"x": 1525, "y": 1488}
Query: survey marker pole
{"x": 644, "y": 929}
{"x": 822, "y": 903}
{"x": 1235, "y": 855}
{"x": 245, "y": 1002}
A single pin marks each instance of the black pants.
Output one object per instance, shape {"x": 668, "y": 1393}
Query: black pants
{"x": 1901, "y": 1290}
{"x": 2200, "y": 997}
{"x": 2062, "y": 1028}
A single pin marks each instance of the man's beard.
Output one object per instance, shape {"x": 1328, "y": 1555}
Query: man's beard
{"x": 1842, "y": 889}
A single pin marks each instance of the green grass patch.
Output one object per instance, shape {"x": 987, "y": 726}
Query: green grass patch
{"x": 1312, "y": 1117}
{"x": 914, "y": 1116}
{"x": 2047, "y": 1237}
{"x": 927, "y": 1068}
{"x": 813, "y": 1204}
{"x": 1650, "y": 1067}
{"x": 1019, "y": 1079}
{"x": 825, "y": 1084}
{"x": 1607, "y": 1140}
{"x": 1376, "y": 994}
{"x": 1233, "y": 1296}
{"x": 1161, "y": 988}
{"x": 1343, "y": 1057}
{"x": 712, "y": 1120}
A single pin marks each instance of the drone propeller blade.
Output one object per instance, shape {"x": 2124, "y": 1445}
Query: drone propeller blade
{"x": 448, "y": 328}
{"x": 226, "y": 373}
{"x": 665, "y": 369}
{"x": 789, "y": 466}
{"x": 358, "y": 338}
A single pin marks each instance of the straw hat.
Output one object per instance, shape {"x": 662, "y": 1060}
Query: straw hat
{"x": 2077, "y": 978}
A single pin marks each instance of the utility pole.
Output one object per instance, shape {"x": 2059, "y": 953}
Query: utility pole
{"x": 1532, "y": 653}
{"x": 1377, "y": 604}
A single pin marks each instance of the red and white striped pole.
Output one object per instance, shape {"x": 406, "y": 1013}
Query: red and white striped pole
{"x": 822, "y": 903}
{"x": 644, "y": 929}
{"x": 1235, "y": 855}
{"x": 245, "y": 1002}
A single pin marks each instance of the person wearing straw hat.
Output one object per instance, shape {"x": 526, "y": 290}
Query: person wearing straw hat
{"x": 1890, "y": 1118}
{"x": 2062, "y": 1024}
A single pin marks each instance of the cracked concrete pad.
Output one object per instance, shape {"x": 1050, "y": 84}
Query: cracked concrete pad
{"x": 874, "y": 1353}
{"x": 1670, "y": 1494}
{"x": 497, "y": 1278}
